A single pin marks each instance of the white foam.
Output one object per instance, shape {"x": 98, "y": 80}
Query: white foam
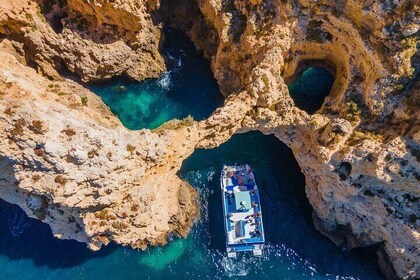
{"x": 165, "y": 80}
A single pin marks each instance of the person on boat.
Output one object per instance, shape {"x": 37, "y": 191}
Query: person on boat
{"x": 243, "y": 205}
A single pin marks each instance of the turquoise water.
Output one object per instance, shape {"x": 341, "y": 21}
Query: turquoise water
{"x": 187, "y": 88}
{"x": 295, "y": 250}
{"x": 310, "y": 88}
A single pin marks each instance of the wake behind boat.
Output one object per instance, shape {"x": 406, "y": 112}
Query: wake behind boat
{"x": 241, "y": 211}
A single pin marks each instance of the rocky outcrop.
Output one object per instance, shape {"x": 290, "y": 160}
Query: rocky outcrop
{"x": 95, "y": 40}
{"x": 71, "y": 164}
{"x": 66, "y": 160}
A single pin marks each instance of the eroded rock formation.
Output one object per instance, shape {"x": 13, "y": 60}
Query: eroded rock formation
{"x": 68, "y": 161}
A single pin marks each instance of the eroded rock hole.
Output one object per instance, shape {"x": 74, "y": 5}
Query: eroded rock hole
{"x": 344, "y": 170}
{"x": 310, "y": 86}
{"x": 187, "y": 88}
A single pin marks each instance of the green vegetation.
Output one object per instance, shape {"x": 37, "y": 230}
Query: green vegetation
{"x": 352, "y": 111}
{"x": 187, "y": 121}
{"x": 175, "y": 124}
{"x": 353, "y": 108}
{"x": 119, "y": 225}
{"x": 266, "y": 82}
{"x": 84, "y": 100}
{"x": 102, "y": 215}
{"x": 41, "y": 213}
{"x": 358, "y": 136}
{"x": 29, "y": 16}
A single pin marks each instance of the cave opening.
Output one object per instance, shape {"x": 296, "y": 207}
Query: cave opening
{"x": 188, "y": 87}
{"x": 311, "y": 84}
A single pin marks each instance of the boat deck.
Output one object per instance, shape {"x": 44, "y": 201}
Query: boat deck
{"x": 242, "y": 210}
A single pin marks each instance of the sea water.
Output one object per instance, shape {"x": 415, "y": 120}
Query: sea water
{"x": 310, "y": 88}
{"x": 186, "y": 88}
{"x": 294, "y": 250}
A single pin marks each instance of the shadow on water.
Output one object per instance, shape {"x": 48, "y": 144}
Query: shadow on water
{"x": 23, "y": 238}
{"x": 295, "y": 248}
{"x": 188, "y": 87}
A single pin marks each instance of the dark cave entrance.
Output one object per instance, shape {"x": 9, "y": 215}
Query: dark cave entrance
{"x": 311, "y": 84}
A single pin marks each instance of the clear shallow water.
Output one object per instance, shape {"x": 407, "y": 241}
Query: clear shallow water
{"x": 310, "y": 88}
{"x": 187, "y": 88}
{"x": 295, "y": 249}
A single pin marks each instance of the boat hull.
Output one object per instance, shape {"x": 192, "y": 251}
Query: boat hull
{"x": 242, "y": 214}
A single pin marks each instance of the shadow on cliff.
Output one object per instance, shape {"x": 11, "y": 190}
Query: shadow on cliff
{"x": 26, "y": 238}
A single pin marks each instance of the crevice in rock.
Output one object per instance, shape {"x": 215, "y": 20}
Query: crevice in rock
{"x": 54, "y": 11}
{"x": 187, "y": 17}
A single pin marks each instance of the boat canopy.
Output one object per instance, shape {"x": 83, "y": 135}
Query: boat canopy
{"x": 242, "y": 201}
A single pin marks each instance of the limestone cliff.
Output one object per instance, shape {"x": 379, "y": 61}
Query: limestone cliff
{"x": 93, "y": 39}
{"x": 66, "y": 160}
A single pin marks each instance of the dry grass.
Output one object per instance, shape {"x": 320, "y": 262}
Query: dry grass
{"x": 61, "y": 180}
{"x": 36, "y": 177}
{"x": 130, "y": 148}
{"x": 69, "y": 132}
{"x": 37, "y": 127}
{"x": 18, "y": 127}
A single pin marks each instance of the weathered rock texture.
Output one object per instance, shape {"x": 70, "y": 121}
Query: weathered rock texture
{"x": 93, "y": 39}
{"x": 66, "y": 160}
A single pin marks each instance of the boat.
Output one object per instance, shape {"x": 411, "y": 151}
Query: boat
{"x": 241, "y": 211}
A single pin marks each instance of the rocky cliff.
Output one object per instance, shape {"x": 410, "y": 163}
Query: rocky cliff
{"x": 68, "y": 161}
